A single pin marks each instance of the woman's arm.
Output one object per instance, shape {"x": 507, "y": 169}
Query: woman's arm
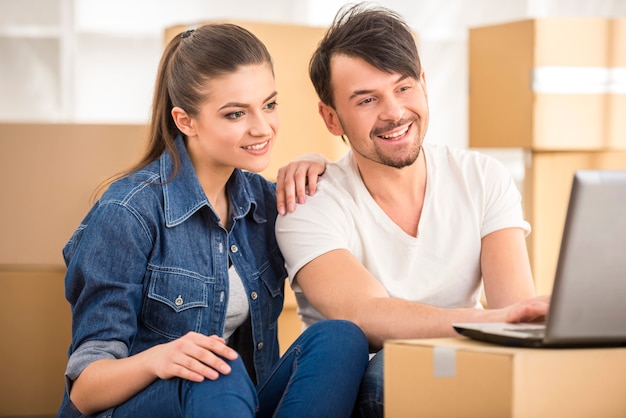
{"x": 110, "y": 382}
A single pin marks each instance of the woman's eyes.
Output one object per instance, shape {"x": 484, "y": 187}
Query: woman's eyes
{"x": 235, "y": 115}
{"x": 240, "y": 113}
{"x": 271, "y": 105}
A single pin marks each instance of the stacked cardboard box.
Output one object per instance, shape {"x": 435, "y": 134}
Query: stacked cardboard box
{"x": 555, "y": 87}
{"x": 50, "y": 172}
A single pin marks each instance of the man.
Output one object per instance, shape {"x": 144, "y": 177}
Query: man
{"x": 400, "y": 232}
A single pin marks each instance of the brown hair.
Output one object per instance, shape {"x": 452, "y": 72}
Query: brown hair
{"x": 190, "y": 60}
{"x": 377, "y": 35}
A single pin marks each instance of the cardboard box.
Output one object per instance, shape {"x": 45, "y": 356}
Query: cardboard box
{"x": 617, "y": 89}
{"x": 547, "y": 185}
{"x": 555, "y": 87}
{"x": 36, "y": 333}
{"x": 548, "y": 84}
{"x": 457, "y": 377}
{"x": 54, "y": 169}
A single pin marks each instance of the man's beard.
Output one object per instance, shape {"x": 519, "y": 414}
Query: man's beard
{"x": 406, "y": 160}
{"x": 378, "y": 156}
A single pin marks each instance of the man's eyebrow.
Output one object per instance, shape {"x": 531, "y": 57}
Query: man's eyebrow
{"x": 359, "y": 93}
{"x": 366, "y": 92}
{"x": 245, "y": 105}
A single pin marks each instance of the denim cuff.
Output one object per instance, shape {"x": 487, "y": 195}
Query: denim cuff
{"x": 89, "y": 352}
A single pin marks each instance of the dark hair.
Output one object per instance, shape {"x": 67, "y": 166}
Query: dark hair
{"x": 377, "y": 35}
{"x": 190, "y": 60}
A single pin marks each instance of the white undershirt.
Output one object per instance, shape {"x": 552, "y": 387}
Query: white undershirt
{"x": 238, "y": 307}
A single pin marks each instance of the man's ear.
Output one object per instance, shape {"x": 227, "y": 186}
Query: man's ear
{"x": 183, "y": 121}
{"x": 423, "y": 81}
{"x": 329, "y": 115}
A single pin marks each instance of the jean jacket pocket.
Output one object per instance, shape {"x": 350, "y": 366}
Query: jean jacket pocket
{"x": 176, "y": 301}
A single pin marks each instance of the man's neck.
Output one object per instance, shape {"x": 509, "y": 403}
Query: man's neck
{"x": 398, "y": 191}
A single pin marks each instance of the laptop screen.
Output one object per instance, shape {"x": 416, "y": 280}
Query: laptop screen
{"x": 590, "y": 283}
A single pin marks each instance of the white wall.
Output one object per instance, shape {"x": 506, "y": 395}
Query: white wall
{"x": 95, "y": 61}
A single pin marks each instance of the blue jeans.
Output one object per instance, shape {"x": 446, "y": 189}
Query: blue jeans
{"x": 369, "y": 403}
{"x": 318, "y": 376}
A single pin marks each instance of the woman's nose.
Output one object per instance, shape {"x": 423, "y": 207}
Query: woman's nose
{"x": 260, "y": 127}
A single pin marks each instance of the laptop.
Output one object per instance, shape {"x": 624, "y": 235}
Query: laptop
{"x": 588, "y": 300}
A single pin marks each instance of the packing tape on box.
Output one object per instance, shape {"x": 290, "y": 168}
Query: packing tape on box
{"x": 579, "y": 80}
{"x": 444, "y": 361}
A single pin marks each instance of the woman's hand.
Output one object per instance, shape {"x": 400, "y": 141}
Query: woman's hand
{"x": 298, "y": 179}
{"x": 193, "y": 357}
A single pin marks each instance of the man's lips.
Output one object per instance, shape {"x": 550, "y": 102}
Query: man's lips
{"x": 394, "y": 136}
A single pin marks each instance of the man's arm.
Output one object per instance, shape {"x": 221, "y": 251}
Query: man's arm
{"x": 505, "y": 267}
{"x": 339, "y": 287}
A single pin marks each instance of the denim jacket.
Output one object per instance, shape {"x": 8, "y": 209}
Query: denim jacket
{"x": 149, "y": 263}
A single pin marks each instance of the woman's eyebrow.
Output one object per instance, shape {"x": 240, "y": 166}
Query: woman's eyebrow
{"x": 246, "y": 105}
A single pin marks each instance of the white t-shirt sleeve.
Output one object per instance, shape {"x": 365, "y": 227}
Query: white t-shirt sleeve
{"x": 503, "y": 201}
{"x": 327, "y": 228}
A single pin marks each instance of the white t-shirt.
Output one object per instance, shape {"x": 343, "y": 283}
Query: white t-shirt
{"x": 468, "y": 196}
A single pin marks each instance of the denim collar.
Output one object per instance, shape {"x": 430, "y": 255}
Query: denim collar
{"x": 184, "y": 196}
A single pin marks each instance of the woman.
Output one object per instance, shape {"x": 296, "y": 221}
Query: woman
{"x": 175, "y": 278}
